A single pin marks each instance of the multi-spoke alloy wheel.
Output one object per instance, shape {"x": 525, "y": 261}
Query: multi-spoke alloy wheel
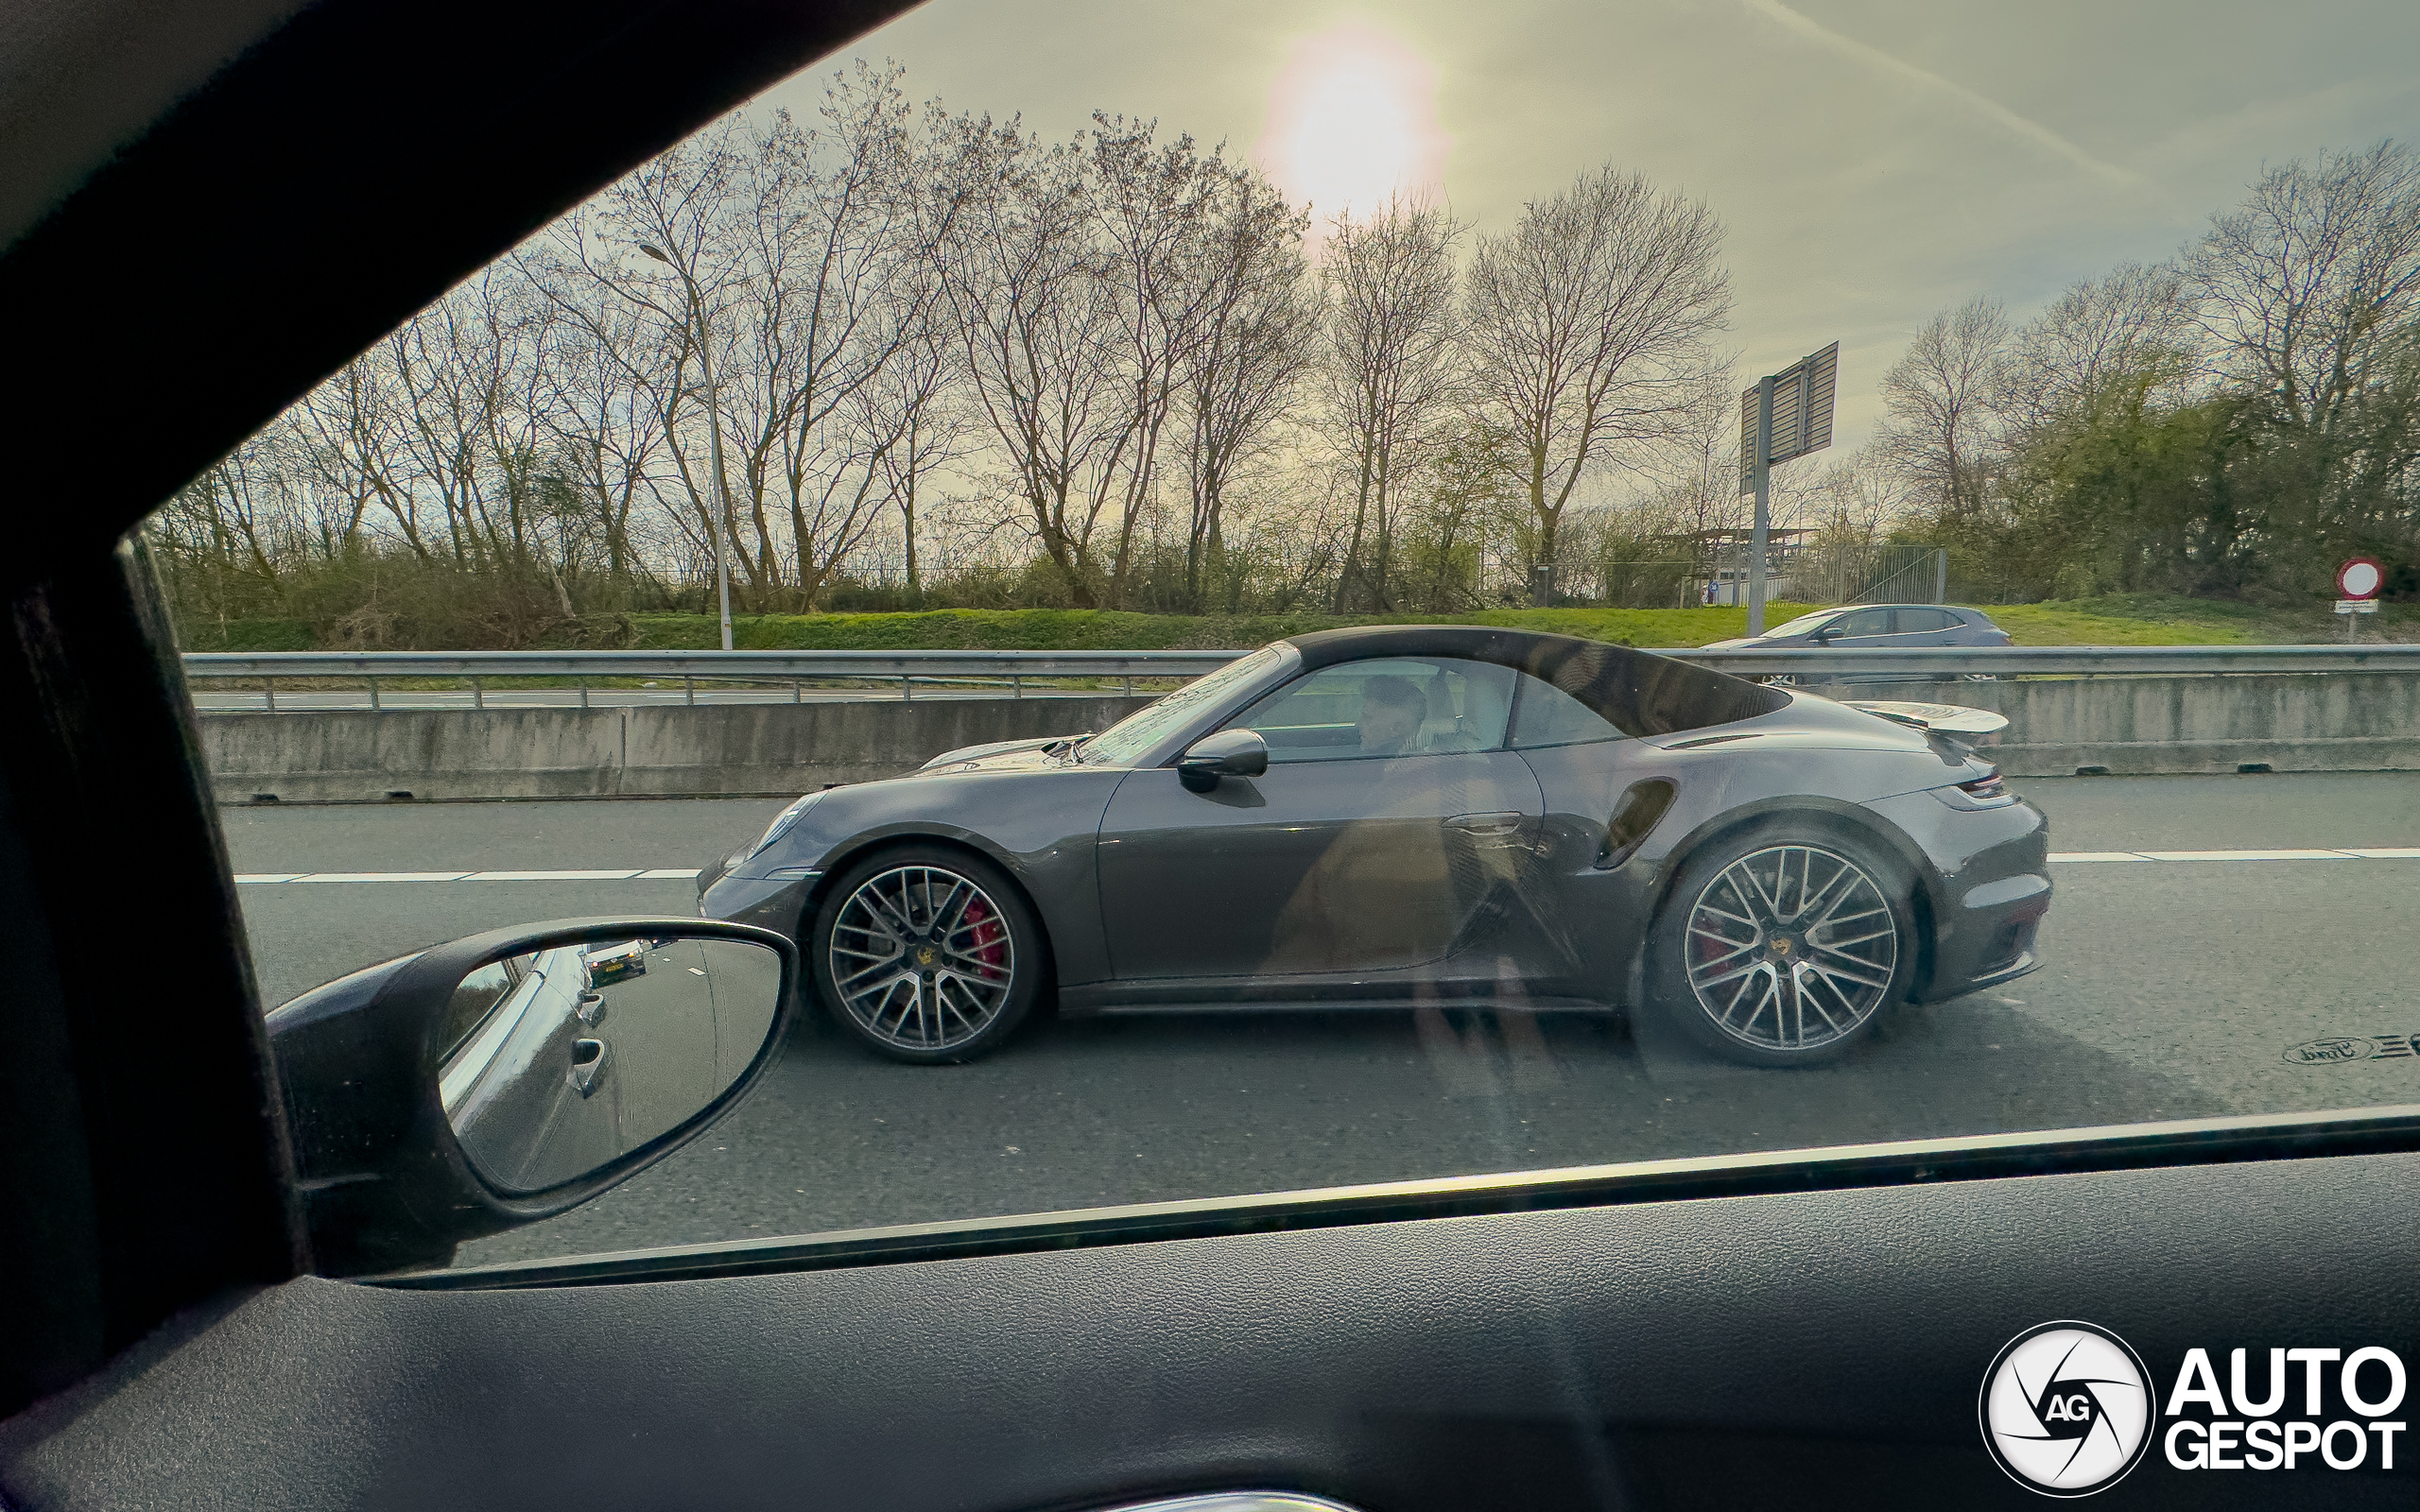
{"x": 922, "y": 958}
{"x": 1789, "y": 950}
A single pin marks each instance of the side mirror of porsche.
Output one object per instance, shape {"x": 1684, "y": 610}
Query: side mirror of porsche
{"x": 478, "y": 1085}
{"x": 1228, "y": 753}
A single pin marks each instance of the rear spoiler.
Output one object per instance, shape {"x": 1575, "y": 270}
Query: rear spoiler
{"x": 1941, "y": 718}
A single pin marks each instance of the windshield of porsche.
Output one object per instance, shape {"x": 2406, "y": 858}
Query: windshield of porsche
{"x": 1131, "y": 737}
{"x": 1297, "y": 459}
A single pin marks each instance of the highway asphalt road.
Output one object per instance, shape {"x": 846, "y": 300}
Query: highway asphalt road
{"x": 2171, "y": 990}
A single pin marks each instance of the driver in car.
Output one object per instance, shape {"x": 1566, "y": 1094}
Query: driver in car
{"x": 1391, "y": 711}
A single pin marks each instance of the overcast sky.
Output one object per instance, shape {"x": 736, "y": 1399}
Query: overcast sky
{"x": 1874, "y": 159}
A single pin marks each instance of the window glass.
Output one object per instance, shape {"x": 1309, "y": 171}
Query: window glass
{"x": 1543, "y": 714}
{"x": 478, "y": 995}
{"x": 1134, "y": 737}
{"x": 1002, "y": 382}
{"x": 1399, "y": 706}
{"x": 1804, "y": 625}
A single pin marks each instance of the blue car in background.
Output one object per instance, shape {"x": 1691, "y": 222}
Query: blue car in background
{"x": 1857, "y": 626}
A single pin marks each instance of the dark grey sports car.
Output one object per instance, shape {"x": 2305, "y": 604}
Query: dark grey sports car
{"x": 1393, "y": 817}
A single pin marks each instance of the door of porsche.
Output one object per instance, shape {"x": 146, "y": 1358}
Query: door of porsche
{"x": 1364, "y": 849}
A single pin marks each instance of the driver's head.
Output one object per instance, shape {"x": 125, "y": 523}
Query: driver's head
{"x": 1391, "y": 710}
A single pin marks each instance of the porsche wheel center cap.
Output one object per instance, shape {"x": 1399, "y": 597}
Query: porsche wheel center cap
{"x": 1781, "y": 944}
{"x": 926, "y": 956}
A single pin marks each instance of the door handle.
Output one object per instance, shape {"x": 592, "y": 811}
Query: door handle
{"x": 1486, "y": 824}
{"x": 592, "y": 1008}
{"x": 587, "y": 1065}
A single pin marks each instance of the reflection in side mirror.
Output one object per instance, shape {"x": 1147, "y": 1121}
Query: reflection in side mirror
{"x": 503, "y": 1078}
{"x": 544, "y": 1092}
{"x": 1228, "y": 753}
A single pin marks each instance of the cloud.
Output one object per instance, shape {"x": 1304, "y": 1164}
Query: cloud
{"x": 1991, "y": 110}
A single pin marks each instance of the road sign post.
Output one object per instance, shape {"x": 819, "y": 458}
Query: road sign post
{"x": 2357, "y": 590}
{"x": 1761, "y": 530}
{"x": 1787, "y": 414}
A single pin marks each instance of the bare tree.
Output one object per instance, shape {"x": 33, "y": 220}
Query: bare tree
{"x": 2132, "y": 325}
{"x": 2311, "y": 289}
{"x": 1151, "y": 205}
{"x": 1036, "y": 316}
{"x": 1590, "y": 324}
{"x": 1258, "y": 324}
{"x": 1942, "y": 406}
{"x": 1389, "y": 372}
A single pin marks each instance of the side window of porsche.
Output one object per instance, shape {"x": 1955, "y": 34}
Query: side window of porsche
{"x": 1394, "y": 706}
{"x": 474, "y": 999}
{"x": 1546, "y": 716}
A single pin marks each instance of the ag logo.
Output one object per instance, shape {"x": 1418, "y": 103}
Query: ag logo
{"x": 2066, "y": 1409}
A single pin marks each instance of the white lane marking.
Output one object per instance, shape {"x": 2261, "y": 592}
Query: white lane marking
{"x": 2064, "y": 856}
{"x": 381, "y": 876}
{"x": 2247, "y": 855}
{"x": 622, "y": 874}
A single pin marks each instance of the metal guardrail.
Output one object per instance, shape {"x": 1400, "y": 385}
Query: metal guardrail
{"x": 773, "y": 667}
{"x": 2063, "y": 660}
{"x": 778, "y": 667}
{"x": 1012, "y": 668}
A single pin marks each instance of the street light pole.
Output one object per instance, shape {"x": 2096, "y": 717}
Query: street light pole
{"x": 714, "y": 434}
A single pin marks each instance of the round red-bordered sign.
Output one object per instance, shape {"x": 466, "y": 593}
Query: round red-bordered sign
{"x": 2362, "y": 577}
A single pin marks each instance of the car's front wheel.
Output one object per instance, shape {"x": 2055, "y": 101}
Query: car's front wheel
{"x": 926, "y": 954}
{"x": 1784, "y": 945}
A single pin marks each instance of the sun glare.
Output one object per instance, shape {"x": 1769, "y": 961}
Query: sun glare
{"x": 1351, "y": 122}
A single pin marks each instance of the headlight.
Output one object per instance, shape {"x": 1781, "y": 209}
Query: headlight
{"x": 783, "y": 822}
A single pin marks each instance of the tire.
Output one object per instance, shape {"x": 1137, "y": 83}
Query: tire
{"x": 952, "y": 995}
{"x": 1732, "y": 964}
{"x": 1780, "y": 679}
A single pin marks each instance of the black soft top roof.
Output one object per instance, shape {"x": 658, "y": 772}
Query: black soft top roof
{"x": 1637, "y": 692}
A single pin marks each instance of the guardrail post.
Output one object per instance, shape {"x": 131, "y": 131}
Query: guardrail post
{"x": 374, "y": 705}
{"x": 689, "y": 691}
{"x": 794, "y": 693}
{"x": 907, "y": 687}
{"x": 1130, "y": 685}
{"x": 268, "y": 687}
{"x": 478, "y": 694}
{"x": 1016, "y": 684}
{"x": 583, "y": 693}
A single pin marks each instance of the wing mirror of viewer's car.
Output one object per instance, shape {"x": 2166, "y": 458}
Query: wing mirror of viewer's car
{"x": 1228, "y": 753}
{"x": 496, "y": 1080}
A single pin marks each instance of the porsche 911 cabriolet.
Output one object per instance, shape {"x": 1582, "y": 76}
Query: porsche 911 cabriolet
{"x": 1386, "y": 817}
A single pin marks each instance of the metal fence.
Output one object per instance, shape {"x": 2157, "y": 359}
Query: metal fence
{"x": 799, "y": 675}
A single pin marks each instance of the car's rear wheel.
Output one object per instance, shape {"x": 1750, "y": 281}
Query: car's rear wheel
{"x": 926, "y": 954}
{"x": 1784, "y": 945}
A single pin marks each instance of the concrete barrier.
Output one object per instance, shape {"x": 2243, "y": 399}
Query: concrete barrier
{"x": 2295, "y": 722}
{"x": 2286, "y": 722}
{"x": 720, "y": 750}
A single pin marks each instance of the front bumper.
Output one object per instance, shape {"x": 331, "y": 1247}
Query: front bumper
{"x": 776, "y": 903}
